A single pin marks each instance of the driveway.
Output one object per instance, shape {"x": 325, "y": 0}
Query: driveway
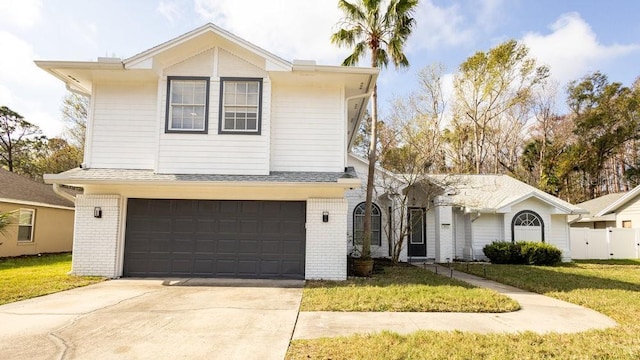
{"x": 155, "y": 319}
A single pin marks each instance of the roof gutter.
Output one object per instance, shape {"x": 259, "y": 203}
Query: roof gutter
{"x": 63, "y": 194}
{"x": 576, "y": 219}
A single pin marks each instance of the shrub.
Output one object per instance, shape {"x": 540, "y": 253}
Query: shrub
{"x": 535, "y": 253}
{"x": 499, "y": 252}
{"x": 522, "y": 252}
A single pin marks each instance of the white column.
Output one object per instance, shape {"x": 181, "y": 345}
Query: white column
{"x": 95, "y": 238}
{"x": 444, "y": 229}
{"x": 326, "y": 249}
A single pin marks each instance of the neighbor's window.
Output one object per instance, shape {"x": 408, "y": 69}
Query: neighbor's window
{"x": 626, "y": 224}
{"x": 26, "y": 219}
{"x": 240, "y": 106}
{"x": 358, "y": 224}
{"x": 187, "y": 104}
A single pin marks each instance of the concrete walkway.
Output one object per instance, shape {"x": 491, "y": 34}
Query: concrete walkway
{"x": 538, "y": 313}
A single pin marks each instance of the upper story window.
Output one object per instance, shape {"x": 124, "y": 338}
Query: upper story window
{"x": 240, "y": 106}
{"x": 26, "y": 219}
{"x": 187, "y": 104}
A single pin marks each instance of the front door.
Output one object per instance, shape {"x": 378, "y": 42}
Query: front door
{"x": 417, "y": 234}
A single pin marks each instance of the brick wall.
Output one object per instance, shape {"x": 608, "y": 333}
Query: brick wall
{"x": 95, "y": 239}
{"x": 326, "y": 251}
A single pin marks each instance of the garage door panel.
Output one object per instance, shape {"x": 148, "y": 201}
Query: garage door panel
{"x": 207, "y": 238}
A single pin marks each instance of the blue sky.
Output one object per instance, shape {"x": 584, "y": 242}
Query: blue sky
{"x": 573, "y": 37}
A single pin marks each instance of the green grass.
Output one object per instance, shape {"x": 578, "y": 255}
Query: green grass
{"x": 611, "y": 287}
{"x": 27, "y": 277}
{"x": 403, "y": 289}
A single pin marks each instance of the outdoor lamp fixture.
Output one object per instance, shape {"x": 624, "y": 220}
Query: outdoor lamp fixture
{"x": 97, "y": 212}
{"x": 325, "y": 216}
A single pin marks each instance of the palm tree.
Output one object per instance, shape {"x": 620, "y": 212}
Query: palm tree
{"x": 365, "y": 28}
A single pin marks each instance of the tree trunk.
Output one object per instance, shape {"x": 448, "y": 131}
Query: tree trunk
{"x": 366, "y": 236}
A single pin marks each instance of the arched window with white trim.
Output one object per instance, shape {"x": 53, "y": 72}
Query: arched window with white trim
{"x": 527, "y": 225}
{"x": 358, "y": 224}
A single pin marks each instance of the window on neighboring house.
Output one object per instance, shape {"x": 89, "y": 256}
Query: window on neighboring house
{"x": 358, "y": 224}
{"x": 187, "y": 104}
{"x": 26, "y": 219}
{"x": 626, "y": 224}
{"x": 240, "y": 106}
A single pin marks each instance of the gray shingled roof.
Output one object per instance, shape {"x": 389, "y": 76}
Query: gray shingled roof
{"x": 488, "y": 193}
{"x": 81, "y": 176}
{"x": 596, "y": 205}
{"x": 17, "y": 187}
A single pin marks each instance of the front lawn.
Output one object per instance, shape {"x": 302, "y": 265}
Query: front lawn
{"x": 403, "y": 288}
{"x": 27, "y": 277}
{"x": 612, "y": 288}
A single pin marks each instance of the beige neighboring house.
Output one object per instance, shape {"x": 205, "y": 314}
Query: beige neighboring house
{"x": 43, "y": 221}
{"x": 621, "y": 210}
{"x": 595, "y": 219}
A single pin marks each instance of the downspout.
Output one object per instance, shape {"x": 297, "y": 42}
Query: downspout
{"x": 63, "y": 194}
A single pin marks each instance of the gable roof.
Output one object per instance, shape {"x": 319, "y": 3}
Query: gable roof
{"x": 496, "y": 193}
{"x": 274, "y": 62}
{"x": 620, "y": 202}
{"x": 594, "y": 206}
{"x": 19, "y": 189}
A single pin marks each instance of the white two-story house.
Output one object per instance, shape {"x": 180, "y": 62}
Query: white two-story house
{"x": 207, "y": 156}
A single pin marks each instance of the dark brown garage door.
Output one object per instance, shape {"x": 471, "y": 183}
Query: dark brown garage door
{"x": 206, "y": 238}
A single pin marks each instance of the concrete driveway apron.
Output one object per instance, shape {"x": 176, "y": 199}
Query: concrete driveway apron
{"x": 155, "y": 319}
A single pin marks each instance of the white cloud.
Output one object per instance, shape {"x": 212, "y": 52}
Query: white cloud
{"x": 572, "y": 48}
{"x": 490, "y": 14}
{"x": 170, "y": 10}
{"x": 438, "y": 26}
{"x": 292, "y": 29}
{"x": 27, "y": 89}
{"x": 22, "y": 14}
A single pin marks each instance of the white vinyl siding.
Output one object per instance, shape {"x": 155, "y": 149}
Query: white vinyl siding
{"x": 559, "y": 235}
{"x": 26, "y": 220}
{"x": 124, "y": 125}
{"x": 214, "y": 153}
{"x": 629, "y": 212}
{"x": 308, "y": 129}
{"x": 487, "y": 229}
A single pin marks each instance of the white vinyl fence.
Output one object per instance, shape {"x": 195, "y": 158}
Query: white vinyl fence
{"x": 611, "y": 243}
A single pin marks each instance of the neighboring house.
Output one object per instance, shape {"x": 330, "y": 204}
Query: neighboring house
{"x": 621, "y": 210}
{"x": 42, "y": 221}
{"x": 596, "y": 219}
{"x": 462, "y": 215}
{"x": 209, "y": 156}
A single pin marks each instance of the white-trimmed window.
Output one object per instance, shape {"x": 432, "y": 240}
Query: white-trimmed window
{"x": 26, "y": 219}
{"x": 240, "y": 106}
{"x": 358, "y": 224}
{"x": 187, "y": 104}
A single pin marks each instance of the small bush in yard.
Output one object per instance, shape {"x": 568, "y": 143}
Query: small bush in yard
{"x": 535, "y": 253}
{"x": 522, "y": 252}
{"x": 499, "y": 252}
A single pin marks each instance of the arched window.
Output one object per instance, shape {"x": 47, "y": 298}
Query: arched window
{"x": 358, "y": 224}
{"x": 527, "y": 226}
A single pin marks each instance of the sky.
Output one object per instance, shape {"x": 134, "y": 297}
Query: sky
{"x": 572, "y": 37}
